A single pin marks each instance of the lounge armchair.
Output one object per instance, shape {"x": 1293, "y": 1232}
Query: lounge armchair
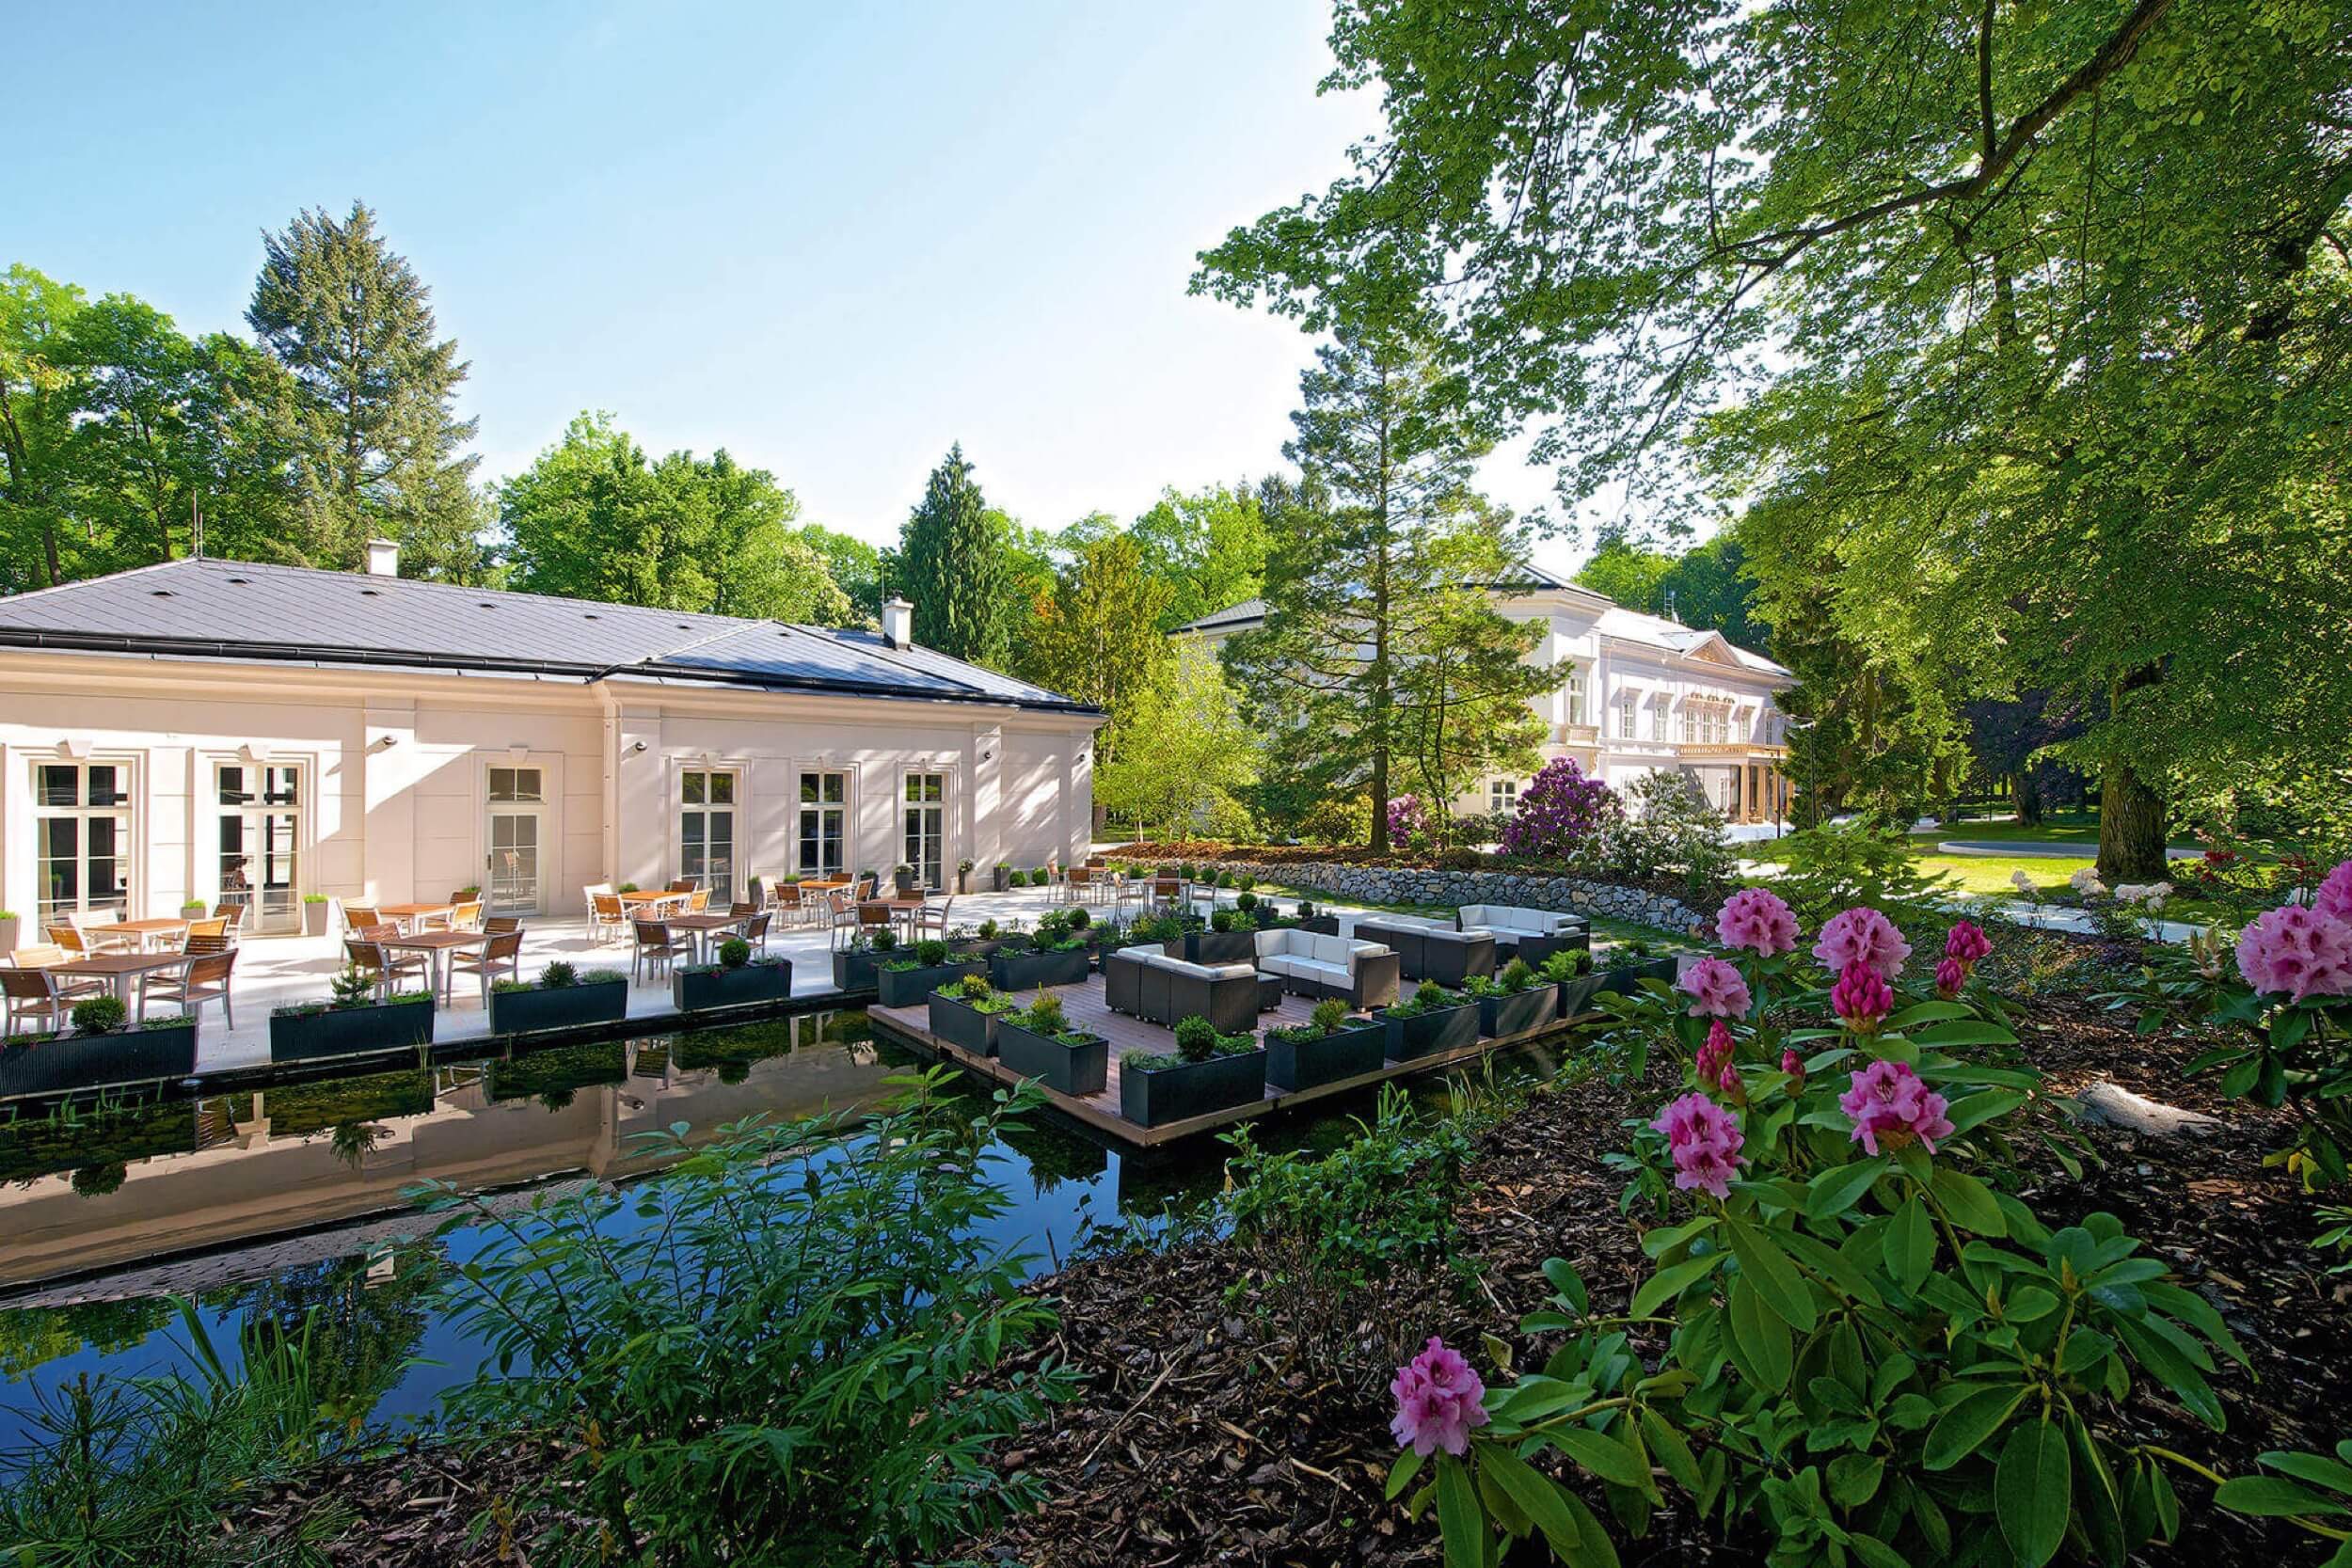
{"x": 1363, "y": 973}
{"x": 1433, "y": 949}
{"x": 1147, "y": 984}
{"x": 1527, "y": 933}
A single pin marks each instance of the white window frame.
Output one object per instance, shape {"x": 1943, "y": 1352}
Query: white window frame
{"x": 1575, "y": 692}
{"x": 945, "y": 806}
{"x": 1503, "y": 797}
{"x": 734, "y": 807}
{"x": 306, "y": 781}
{"x": 128, "y": 869}
{"x": 803, "y": 807}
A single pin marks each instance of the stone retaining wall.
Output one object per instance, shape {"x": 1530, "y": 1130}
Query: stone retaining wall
{"x": 1407, "y": 884}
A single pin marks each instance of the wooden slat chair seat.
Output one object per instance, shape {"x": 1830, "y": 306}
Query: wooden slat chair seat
{"x": 653, "y": 947}
{"x": 503, "y": 954}
{"x": 204, "y": 978}
{"x": 608, "y": 917}
{"x": 32, "y": 995}
{"x": 366, "y": 950}
{"x": 756, "y": 931}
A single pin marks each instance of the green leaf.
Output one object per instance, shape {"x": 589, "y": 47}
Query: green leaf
{"x": 1963, "y": 1429}
{"x": 2316, "y": 1468}
{"x": 1401, "y": 1474}
{"x": 1671, "y": 1281}
{"x": 1607, "y": 1458}
{"x": 1461, "y": 1522}
{"x": 1538, "y": 1495}
{"x": 1565, "y": 1280}
{"x": 1910, "y": 1245}
{"x": 1759, "y": 1338}
{"x": 1840, "y": 1188}
{"x": 1673, "y": 1451}
{"x": 2273, "y": 1496}
{"x": 2033, "y": 1491}
{"x": 1764, "y": 1265}
{"x": 1970, "y": 1033}
{"x": 1969, "y": 1202}
{"x": 1924, "y": 1012}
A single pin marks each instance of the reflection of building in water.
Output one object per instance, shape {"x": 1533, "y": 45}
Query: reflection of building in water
{"x": 271, "y": 1162}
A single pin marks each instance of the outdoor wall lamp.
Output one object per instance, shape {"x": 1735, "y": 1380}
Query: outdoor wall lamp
{"x": 638, "y": 747}
{"x": 386, "y": 742}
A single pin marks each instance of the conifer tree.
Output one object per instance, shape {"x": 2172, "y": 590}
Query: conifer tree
{"x": 951, "y": 563}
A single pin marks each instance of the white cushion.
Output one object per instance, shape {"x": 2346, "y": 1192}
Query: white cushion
{"x": 1336, "y": 975}
{"x": 1228, "y": 972}
{"x": 1466, "y": 932}
{"x": 1330, "y": 950}
{"x": 1277, "y": 963}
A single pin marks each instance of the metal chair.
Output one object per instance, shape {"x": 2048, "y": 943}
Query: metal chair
{"x": 466, "y": 916}
{"x": 755, "y": 931}
{"x": 504, "y": 953}
{"x": 32, "y": 993}
{"x": 608, "y": 917}
{"x": 68, "y": 936}
{"x": 371, "y": 956}
{"x": 360, "y": 917}
{"x": 234, "y": 916}
{"x": 204, "y": 978}
{"x": 785, "y": 898}
{"x": 498, "y": 925}
{"x": 655, "y": 948}
{"x": 698, "y": 901}
{"x": 931, "y": 919}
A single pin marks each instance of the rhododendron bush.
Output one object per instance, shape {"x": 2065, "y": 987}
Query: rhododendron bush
{"x": 1854, "y": 1341}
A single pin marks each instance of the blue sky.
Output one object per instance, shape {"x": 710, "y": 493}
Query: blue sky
{"x": 829, "y": 238}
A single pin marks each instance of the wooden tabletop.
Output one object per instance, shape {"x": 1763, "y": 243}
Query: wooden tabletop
{"x": 435, "y": 938}
{"x": 114, "y": 964}
{"x": 138, "y": 927}
{"x": 713, "y": 922}
{"x": 410, "y": 912}
{"x": 656, "y": 897}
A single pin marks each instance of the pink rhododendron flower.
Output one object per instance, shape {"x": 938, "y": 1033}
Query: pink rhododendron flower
{"x": 1890, "y": 1105}
{"x": 1860, "y": 998}
{"x": 1966, "y": 944}
{"x": 1950, "y": 974}
{"x": 2297, "y": 952}
{"x": 1861, "y": 936}
{"x": 1759, "y": 920}
{"x": 2334, "y": 898}
{"x": 1438, "y": 1399}
{"x": 1705, "y": 1141}
{"x": 1715, "y": 988}
{"x": 1793, "y": 1065}
{"x": 1714, "y": 1068}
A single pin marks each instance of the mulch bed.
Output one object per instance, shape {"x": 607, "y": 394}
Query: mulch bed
{"x": 1200, "y": 1437}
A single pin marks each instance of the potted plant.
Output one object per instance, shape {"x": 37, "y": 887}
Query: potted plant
{"x": 1627, "y": 963}
{"x": 1208, "y": 1072}
{"x": 966, "y": 1011}
{"x": 902, "y": 877}
{"x": 999, "y": 877}
{"x": 1311, "y": 919}
{"x": 736, "y": 980}
{"x": 1038, "y": 1043}
{"x": 1514, "y": 1002}
{"x": 191, "y": 909}
{"x": 561, "y": 998}
{"x": 854, "y": 966}
{"x": 318, "y": 911}
{"x": 1054, "y": 957}
{"x": 105, "y": 1048}
{"x": 1430, "y": 1020}
{"x": 350, "y": 1021}
{"x": 1571, "y": 970}
{"x": 1225, "y": 942}
{"x": 963, "y": 875}
{"x": 7, "y": 930}
{"x": 906, "y": 979}
{"x": 1326, "y": 1049}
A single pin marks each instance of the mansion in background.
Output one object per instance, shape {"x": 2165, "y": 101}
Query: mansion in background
{"x": 1637, "y": 694}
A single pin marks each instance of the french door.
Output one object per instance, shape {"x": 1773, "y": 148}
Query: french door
{"x": 925, "y": 846}
{"x": 706, "y": 831}
{"x": 260, "y": 838}
{"x": 514, "y": 880}
{"x": 824, "y": 817}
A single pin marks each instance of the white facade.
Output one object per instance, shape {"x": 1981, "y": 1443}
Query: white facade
{"x": 1637, "y": 694}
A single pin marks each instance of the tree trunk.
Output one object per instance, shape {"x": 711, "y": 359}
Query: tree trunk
{"x": 2130, "y": 827}
{"x": 2025, "y": 789}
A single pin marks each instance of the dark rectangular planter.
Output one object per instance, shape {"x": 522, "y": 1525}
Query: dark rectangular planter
{"x": 694, "y": 991}
{"x": 1076, "y": 1069}
{"x": 351, "y": 1031}
{"x": 1626, "y": 980}
{"x": 1518, "y": 1012}
{"x": 1576, "y": 996}
{"x": 1347, "y": 1052}
{"x": 1188, "y": 1089}
{"x": 1533, "y": 950}
{"x": 1027, "y": 970}
{"x": 906, "y": 988}
{"x": 1220, "y": 947}
{"x": 961, "y": 1023}
{"x": 68, "y": 1062}
{"x": 973, "y": 948}
{"x": 854, "y": 970}
{"x": 532, "y": 1012}
{"x": 1427, "y": 1033}
{"x": 1322, "y": 924}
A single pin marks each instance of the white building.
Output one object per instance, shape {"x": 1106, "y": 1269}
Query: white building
{"x": 202, "y": 729}
{"x": 1637, "y": 694}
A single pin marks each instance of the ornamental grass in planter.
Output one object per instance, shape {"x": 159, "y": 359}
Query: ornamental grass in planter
{"x": 561, "y": 998}
{"x": 736, "y": 980}
{"x": 1038, "y": 1043}
{"x": 1325, "y": 1049}
{"x": 966, "y": 1014}
{"x": 1430, "y": 1020}
{"x": 105, "y": 1048}
{"x": 1515, "y": 1000}
{"x": 1208, "y": 1072}
{"x": 903, "y": 981}
{"x": 351, "y": 1021}
{"x": 1571, "y": 970}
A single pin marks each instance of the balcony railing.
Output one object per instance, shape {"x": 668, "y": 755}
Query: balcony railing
{"x": 1575, "y": 734}
{"x": 1752, "y": 750}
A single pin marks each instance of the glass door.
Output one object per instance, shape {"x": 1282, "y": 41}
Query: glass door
{"x": 261, "y": 831}
{"x": 513, "y": 883}
{"x": 926, "y": 828}
{"x": 706, "y": 832}
{"x": 825, "y": 814}
{"x": 82, "y": 840}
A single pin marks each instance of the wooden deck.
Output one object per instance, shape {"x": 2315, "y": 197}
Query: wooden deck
{"x": 1086, "y": 1007}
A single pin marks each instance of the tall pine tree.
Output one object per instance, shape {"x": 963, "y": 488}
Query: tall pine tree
{"x": 371, "y": 413}
{"x": 952, "y": 565}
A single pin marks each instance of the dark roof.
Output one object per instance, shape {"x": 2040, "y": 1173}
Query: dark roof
{"x": 1532, "y": 578}
{"x": 243, "y": 610}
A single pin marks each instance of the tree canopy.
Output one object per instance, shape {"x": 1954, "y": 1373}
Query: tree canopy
{"x": 954, "y": 564}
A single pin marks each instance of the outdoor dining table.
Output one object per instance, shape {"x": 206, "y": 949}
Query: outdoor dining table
{"x": 142, "y": 934}
{"x": 409, "y": 916}
{"x": 903, "y": 909}
{"x": 642, "y": 902}
{"x": 702, "y": 927}
{"x": 436, "y": 945}
{"x": 120, "y": 969}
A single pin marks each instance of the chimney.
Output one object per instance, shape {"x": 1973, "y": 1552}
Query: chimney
{"x": 899, "y": 624}
{"x": 382, "y": 558}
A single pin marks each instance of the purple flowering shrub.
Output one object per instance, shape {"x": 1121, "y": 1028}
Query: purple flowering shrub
{"x": 1874, "y": 1352}
{"x": 1559, "y": 809}
{"x": 1408, "y": 820}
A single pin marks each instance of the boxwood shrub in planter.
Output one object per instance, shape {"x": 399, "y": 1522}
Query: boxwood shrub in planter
{"x": 103, "y": 1050}
{"x": 904, "y": 980}
{"x": 561, "y": 998}
{"x": 1209, "y": 1072}
{"x": 1225, "y": 942}
{"x": 1572, "y": 971}
{"x": 1432, "y": 1020}
{"x": 736, "y": 980}
{"x": 855, "y": 969}
{"x": 967, "y": 1014}
{"x": 1515, "y": 1000}
{"x": 1310, "y": 919}
{"x": 1325, "y": 1050}
{"x": 1038, "y": 1043}
{"x": 352, "y": 1023}
{"x": 1055, "y": 956}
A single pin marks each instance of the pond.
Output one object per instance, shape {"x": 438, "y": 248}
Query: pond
{"x": 277, "y": 1201}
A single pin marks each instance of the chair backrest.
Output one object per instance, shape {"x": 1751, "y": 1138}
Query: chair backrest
{"x": 786, "y": 895}
{"x": 606, "y": 905}
{"x": 755, "y": 929}
{"x": 40, "y": 955}
{"x": 468, "y": 913}
{"x": 366, "y": 954}
{"x": 217, "y": 943}
{"x": 742, "y": 908}
{"x": 681, "y": 885}
{"x": 505, "y": 945}
{"x": 212, "y": 969}
{"x": 498, "y": 925}
{"x": 596, "y": 890}
{"x": 217, "y": 927}
{"x": 698, "y": 900}
{"x": 68, "y": 936}
{"x": 873, "y": 914}
{"x": 233, "y": 913}
{"x": 360, "y": 917}
{"x": 1079, "y": 875}
{"x": 652, "y": 933}
{"x": 28, "y": 984}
